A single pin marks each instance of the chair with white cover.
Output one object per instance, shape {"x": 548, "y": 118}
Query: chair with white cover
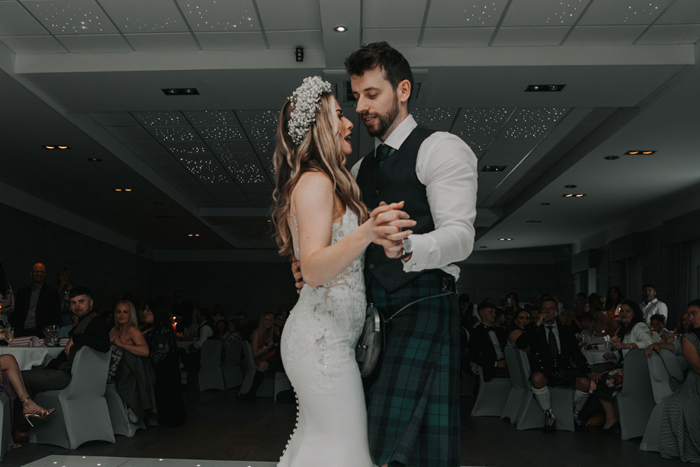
{"x": 636, "y": 400}
{"x": 531, "y": 414}
{"x": 81, "y": 409}
{"x": 661, "y": 389}
{"x": 233, "y": 376}
{"x": 121, "y": 425}
{"x": 518, "y": 390}
{"x": 266, "y": 388}
{"x": 5, "y": 425}
{"x": 492, "y": 396}
{"x": 210, "y": 375}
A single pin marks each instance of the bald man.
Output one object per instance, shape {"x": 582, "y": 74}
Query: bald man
{"x": 36, "y": 306}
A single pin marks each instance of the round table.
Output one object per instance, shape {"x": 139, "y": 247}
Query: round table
{"x": 27, "y": 357}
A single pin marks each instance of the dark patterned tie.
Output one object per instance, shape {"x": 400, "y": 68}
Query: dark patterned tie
{"x": 552, "y": 342}
{"x": 383, "y": 152}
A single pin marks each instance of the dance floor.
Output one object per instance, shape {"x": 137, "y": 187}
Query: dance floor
{"x": 94, "y": 461}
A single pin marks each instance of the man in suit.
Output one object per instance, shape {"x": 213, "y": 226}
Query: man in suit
{"x": 36, "y": 306}
{"x": 487, "y": 344}
{"x": 552, "y": 347}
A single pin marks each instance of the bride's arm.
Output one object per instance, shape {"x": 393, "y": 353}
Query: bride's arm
{"x": 314, "y": 207}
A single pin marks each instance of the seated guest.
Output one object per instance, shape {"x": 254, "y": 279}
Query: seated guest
{"x": 589, "y": 331}
{"x": 36, "y": 306}
{"x": 130, "y": 368}
{"x": 7, "y": 299}
{"x": 684, "y": 324}
{"x": 521, "y": 321}
{"x": 680, "y": 436}
{"x": 486, "y": 344}
{"x": 658, "y": 327}
{"x": 91, "y": 331}
{"x": 218, "y": 314}
{"x": 566, "y": 317}
{"x": 205, "y": 331}
{"x": 220, "y": 328}
{"x": 633, "y": 334}
{"x": 245, "y": 326}
{"x": 596, "y": 306}
{"x": 231, "y": 333}
{"x": 160, "y": 338}
{"x": 552, "y": 348}
{"x": 11, "y": 383}
{"x": 265, "y": 353}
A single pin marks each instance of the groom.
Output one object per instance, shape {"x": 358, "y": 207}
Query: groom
{"x": 413, "y": 400}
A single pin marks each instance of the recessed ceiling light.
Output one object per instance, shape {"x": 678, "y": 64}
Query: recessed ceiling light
{"x": 611, "y": 158}
{"x": 123, "y": 189}
{"x": 117, "y": 189}
{"x": 545, "y": 87}
{"x": 493, "y": 168}
{"x": 180, "y": 91}
{"x": 127, "y": 189}
{"x": 63, "y": 147}
{"x": 569, "y": 186}
{"x": 505, "y": 239}
{"x": 299, "y": 54}
{"x": 94, "y": 159}
{"x": 193, "y": 235}
{"x": 574, "y": 195}
{"x": 637, "y": 152}
{"x": 340, "y": 28}
{"x": 49, "y": 147}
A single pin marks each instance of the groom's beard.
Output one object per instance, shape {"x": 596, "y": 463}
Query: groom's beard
{"x": 385, "y": 121}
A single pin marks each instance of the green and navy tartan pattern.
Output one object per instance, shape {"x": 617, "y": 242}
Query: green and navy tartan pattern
{"x": 413, "y": 405}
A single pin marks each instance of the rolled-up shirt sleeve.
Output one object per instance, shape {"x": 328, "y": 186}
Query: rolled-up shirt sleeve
{"x": 448, "y": 169}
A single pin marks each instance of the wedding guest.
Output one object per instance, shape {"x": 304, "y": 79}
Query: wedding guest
{"x": 633, "y": 334}
{"x": 552, "y": 348}
{"x": 231, "y": 333}
{"x": 36, "y": 305}
{"x": 91, "y": 331}
{"x": 590, "y": 331}
{"x": 652, "y": 305}
{"x": 680, "y": 422}
{"x": 534, "y": 300}
{"x": 265, "y": 353}
{"x": 218, "y": 314}
{"x": 683, "y": 324}
{"x": 192, "y": 330}
{"x": 567, "y": 319}
{"x": 245, "y": 326}
{"x": 512, "y": 302}
{"x": 220, "y": 328}
{"x": 560, "y": 304}
{"x": 279, "y": 326}
{"x": 580, "y": 304}
{"x": 129, "y": 367}
{"x": 658, "y": 327}
{"x": 521, "y": 320}
{"x": 7, "y": 299}
{"x": 205, "y": 329}
{"x": 12, "y": 384}
{"x": 64, "y": 282}
{"x": 612, "y": 302}
{"x": 487, "y": 344}
{"x": 596, "y": 306}
{"x": 160, "y": 338}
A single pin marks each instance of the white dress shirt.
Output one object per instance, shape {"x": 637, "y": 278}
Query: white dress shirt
{"x": 640, "y": 335}
{"x": 652, "y": 308}
{"x": 205, "y": 332}
{"x": 496, "y": 345}
{"x": 448, "y": 169}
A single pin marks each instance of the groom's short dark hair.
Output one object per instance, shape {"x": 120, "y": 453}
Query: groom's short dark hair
{"x": 380, "y": 54}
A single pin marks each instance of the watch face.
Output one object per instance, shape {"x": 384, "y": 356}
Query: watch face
{"x": 407, "y": 245}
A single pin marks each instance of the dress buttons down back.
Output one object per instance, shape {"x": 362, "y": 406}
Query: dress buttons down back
{"x": 371, "y": 266}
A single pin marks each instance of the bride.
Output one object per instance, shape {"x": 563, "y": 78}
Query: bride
{"x": 321, "y": 221}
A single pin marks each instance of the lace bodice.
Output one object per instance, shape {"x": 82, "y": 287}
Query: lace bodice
{"x": 327, "y": 320}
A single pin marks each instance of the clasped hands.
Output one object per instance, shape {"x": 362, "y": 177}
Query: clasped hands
{"x": 389, "y": 221}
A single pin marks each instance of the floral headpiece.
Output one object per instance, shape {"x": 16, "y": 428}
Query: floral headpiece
{"x": 305, "y": 102}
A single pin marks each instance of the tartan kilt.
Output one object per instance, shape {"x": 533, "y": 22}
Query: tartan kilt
{"x": 413, "y": 397}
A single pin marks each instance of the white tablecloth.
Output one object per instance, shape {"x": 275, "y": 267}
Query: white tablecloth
{"x": 27, "y": 357}
{"x": 595, "y": 356}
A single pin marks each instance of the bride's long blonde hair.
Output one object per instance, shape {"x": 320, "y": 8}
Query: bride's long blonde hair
{"x": 320, "y": 152}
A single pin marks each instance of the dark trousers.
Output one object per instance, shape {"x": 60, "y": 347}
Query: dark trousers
{"x": 41, "y": 379}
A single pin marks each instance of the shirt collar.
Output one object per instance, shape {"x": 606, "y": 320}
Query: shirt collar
{"x": 399, "y": 135}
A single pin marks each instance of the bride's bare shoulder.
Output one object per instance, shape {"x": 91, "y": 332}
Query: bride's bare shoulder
{"x": 313, "y": 183}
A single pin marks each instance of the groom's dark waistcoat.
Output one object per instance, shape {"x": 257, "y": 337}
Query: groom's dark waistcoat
{"x": 395, "y": 180}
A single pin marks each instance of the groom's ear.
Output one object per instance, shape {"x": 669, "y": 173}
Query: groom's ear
{"x": 403, "y": 90}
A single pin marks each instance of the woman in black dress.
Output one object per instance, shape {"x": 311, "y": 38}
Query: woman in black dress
{"x": 163, "y": 354}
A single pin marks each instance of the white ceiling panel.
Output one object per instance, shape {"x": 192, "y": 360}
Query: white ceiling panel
{"x": 292, "y": 39}
{"x": 604, "y": 35}
{"x": 167, "y": 42}
{"x": 213, "y": 15}
{"x": 395, "y": 37}
{"x": 33, "y": 45}
{"x": 73, "y": 17}
{"x": 668, "y": 34}
{"x": 95, "y": 43}
{"x": 285, "y": 15}
{"x": 15, "y": 21}
{"x": 544, "y": 12}
{"x": 160, "y": 16}
{"x": 681, "y": 12}
{"x": 459, "y": 14}
{"x": 602, "y": 12}
{"x": 552, "y": 35}
{"x": 393, "y": 14}
{"x": 231, "y": 41}
{"x": 457, "y": 37}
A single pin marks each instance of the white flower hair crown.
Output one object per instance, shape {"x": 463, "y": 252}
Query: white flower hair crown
{"x": 305, "y": 102}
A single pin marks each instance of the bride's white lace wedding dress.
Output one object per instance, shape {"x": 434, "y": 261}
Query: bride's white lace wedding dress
{"x": 318, "y": 352}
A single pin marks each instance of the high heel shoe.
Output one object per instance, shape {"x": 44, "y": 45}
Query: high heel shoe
{"x": 40, "y": 414}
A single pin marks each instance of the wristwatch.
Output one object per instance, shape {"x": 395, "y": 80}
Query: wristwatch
{"x": 407, "y": 247}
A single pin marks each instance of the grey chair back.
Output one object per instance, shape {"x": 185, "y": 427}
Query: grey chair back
{"x": 636, "y": 399}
